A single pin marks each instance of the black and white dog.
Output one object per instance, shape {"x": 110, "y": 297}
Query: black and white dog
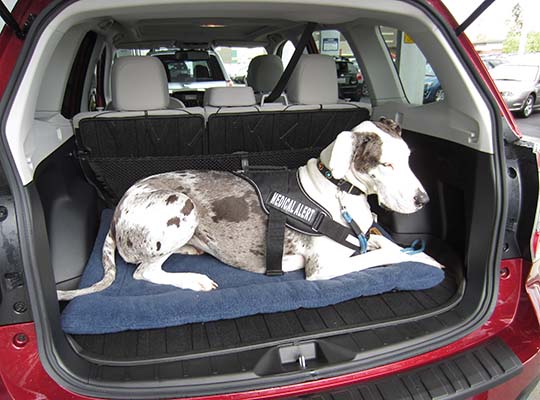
{"x": 219, "y": 213}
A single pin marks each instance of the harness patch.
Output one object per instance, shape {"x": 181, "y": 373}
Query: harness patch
{"x": 292, "y": 207}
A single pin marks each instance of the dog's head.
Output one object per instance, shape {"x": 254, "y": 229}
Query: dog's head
{"x": 375, "y": 158}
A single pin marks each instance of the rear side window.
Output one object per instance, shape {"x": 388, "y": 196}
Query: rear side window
{"x": 351, "y": 82}
{"x": 420, "y": 83}
{"x": 286, "y": 51}
{"x": 71, "y": 103}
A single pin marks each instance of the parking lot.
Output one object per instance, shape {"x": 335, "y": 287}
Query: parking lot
{"x": 530, "y": 126}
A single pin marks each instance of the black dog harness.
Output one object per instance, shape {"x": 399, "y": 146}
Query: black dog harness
{"x": 283, "y": 198}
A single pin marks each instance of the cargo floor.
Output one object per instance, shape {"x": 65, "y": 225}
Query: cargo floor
{"x": 262, "y": 328}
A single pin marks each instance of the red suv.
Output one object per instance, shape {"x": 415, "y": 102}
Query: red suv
{"x": 69, "y": 152}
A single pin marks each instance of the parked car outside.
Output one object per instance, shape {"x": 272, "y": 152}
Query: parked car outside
{"x": 493, "y": 61}
{"x": 350, "y": 79}
{"x": 432, "y": 87}
{"x": 476, "y": 335}
{"x": 519, "y": 85}
{"x": 191, "y": 72}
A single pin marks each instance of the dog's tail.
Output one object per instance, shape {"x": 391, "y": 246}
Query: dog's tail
{"x": 109, "y": 272}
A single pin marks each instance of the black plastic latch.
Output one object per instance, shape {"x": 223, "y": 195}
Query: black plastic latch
{"x": 13, "y": 280}
{"x": 317, "y": 222}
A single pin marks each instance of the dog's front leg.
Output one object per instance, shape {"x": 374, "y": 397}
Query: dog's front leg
{"x": 381, "y": 242}
{"x": 329, "y": 266}
{"x": 151, "y": 271}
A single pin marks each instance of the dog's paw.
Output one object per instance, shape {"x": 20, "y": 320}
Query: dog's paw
{"x": 196, "y": 282}
{"x": 189, "y": 250}
{"x": 377, "y": 242}
{"x": 426, "y": 259}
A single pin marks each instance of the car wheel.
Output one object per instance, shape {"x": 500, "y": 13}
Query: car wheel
{"x": 439, "y": 95}
{"x": 527, "y": 109}
{"x": 365, "y": 90}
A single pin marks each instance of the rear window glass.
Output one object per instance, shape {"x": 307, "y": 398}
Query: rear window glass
{"x": 181, "y": 71}
{"x": 420, "y": 83}
{"x": 185, "y": 71}
{"x": 236, "y": 60}
{"x": 351, "y": 81}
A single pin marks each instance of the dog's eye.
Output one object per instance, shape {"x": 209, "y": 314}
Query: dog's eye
{"x": 387, "y": 164}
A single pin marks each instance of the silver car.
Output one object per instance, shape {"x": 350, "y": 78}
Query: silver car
{"x": 519, "y": 85}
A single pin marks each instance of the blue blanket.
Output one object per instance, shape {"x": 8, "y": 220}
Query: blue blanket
{"x": 132, "y": 304}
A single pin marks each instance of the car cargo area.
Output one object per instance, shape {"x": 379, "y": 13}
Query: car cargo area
{"x": 377, "y": 321}
{"x": 84, "y": 145}
{"x": 360, "y": 325}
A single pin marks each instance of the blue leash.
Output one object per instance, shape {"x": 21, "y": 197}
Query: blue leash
{"x": 418, "y": 246}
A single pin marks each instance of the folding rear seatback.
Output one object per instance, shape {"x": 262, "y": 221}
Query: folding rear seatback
{"x": 236, "y": 123}
{"x": 141, "y": 136}
{"x": 314, "y": 106}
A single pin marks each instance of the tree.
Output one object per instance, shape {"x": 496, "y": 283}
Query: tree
{"x": 533, "y": 42}
{"x": 517, "y": 21}
{"x": 511, "y": 43}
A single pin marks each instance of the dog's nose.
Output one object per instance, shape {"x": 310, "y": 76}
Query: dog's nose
{"x": 421, "y": 198}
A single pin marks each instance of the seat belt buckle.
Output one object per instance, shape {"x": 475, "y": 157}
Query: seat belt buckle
{"x": 274, "y": 272}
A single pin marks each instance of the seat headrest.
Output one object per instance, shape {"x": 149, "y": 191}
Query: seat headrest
{"x": 240, "y": 96}
{"x": 313, "y": 81}
{"x": 139, "y": 84}
{"x": 264, "y": 72}
{"x": 201, "y": 71}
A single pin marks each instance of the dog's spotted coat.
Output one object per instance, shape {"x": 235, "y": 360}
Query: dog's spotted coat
{"x": 218, "y": 213}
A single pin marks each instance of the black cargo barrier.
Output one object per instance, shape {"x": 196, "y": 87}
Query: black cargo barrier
{"x": 150, "y": 136}
{"x": 280, "y": 130}
{"x": 115, "y": 152}
{"x": 114, "y": 175}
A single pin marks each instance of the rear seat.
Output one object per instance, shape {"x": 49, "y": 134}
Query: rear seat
{"x": 142, "y": 137}
{"x": 313, "y": 85}
{"x": 141, "y": 124}
{"x": 263, "y": 74}
{"x": 236, "y": 123}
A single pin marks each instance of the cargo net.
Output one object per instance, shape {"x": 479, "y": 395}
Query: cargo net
{"x": 112, "y": 176}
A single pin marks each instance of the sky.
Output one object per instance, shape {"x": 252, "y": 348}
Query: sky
{"x": 495, "y": 21}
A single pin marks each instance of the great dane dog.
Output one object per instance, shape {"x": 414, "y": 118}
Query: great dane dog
{"x": 195, "y": 212}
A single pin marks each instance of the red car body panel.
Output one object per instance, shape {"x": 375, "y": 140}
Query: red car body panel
{"x": 22, "y": 376}
{"x": 10, "y": 44}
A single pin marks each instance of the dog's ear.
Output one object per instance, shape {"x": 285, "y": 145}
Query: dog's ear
{"x": 341, "y": 155}
{"x": 368, "y": 151}
{"x": 389, "y": 126}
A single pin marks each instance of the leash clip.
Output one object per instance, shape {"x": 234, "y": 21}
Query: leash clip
{"x": 362, "y": 238}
